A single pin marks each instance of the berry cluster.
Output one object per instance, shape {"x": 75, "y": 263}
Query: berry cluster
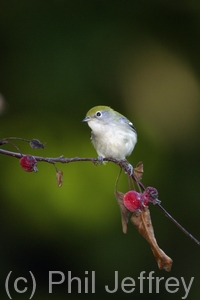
{"x": 134, "y": 201}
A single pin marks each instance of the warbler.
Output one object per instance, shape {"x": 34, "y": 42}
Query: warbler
{"x": 113, "y": 135}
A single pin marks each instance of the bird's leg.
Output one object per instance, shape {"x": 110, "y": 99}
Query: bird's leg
{"x": 129, "y": 167}
{"x": 100, "y": 159}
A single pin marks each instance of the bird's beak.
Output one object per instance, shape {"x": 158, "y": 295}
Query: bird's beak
{"x": 86, "y": 119}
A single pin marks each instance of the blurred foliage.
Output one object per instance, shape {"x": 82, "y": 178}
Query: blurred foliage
{"x": 58, "y": 59}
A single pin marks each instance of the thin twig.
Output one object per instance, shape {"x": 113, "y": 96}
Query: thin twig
{"x": 178, "y": 225}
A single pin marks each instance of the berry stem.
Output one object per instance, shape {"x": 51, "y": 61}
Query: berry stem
{"x": 16, "y": 138}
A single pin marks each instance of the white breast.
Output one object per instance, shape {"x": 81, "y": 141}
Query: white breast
{"x": 112, "y": 140}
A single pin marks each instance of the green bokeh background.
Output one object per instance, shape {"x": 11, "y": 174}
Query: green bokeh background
{"x": 58, "y": 59}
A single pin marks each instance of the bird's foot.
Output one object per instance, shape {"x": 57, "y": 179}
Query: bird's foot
{"x": 100, "y": 159}
{"x": 130, "y": 169}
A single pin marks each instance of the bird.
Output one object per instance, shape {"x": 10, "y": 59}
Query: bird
{"x": 113, "y": 135}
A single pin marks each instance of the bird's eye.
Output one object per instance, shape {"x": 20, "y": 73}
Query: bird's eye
{"x": 98, "y": 114}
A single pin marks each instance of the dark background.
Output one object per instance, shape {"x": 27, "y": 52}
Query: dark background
{"x": 57, "y": 60}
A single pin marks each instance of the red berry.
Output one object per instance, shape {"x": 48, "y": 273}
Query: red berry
{"x": 133, "y": 200}
{"x": 145, "y": 200}
{"x": 28, "y": 163}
